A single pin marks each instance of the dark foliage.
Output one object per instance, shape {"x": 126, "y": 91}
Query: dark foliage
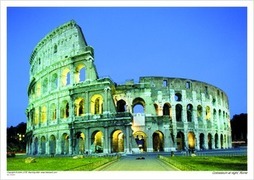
{"x": 15, "y": 139}
{"x": 239, "y": 128}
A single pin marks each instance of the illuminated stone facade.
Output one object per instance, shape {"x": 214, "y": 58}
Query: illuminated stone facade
{"x": 73, "y": 111}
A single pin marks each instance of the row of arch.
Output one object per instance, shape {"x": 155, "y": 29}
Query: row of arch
{"x": 179, "y": 110}
{"x": 42, "y": 114}
{"x": 56, "y": 80}
{"x": 190, "y": 140}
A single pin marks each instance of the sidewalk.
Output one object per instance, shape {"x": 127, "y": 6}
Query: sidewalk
{"x": 131, "y": 163}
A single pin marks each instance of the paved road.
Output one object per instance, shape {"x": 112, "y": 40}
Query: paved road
{"x": 131, "y": 163}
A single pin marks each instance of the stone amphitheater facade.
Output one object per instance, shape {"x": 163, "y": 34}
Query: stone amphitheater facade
{"x": 72, "y": 110}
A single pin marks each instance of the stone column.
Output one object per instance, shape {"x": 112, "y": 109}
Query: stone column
{"x": 70, "y": 144}
{"x": 205, "y": 141}
{"x": 72, "y": 71}
{"x": 87, "y": 103}
{"x": 219, "y": 144}
{"x": 87, "y": 138}
{"x": 127, "y": 139}
{"x": 167, "y": 138}
{"x": 197, "y": 145}
{"x": 174, "y": 126}
{"x": 58, "y": 146}
{"x": 149, "y": 140}
{"x": 47, "y": 146}
{"x": 106, "y": 140}
{"x": 39, "y": 146}
{"x": 106, "y": 104}
{"x": 213, "y": 140}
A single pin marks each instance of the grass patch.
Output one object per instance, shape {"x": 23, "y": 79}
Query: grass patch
{"x": 57, "y": 163}
{"x": 208, "y": 163}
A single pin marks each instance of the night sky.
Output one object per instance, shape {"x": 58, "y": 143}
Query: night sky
{"x": 205, "y": 43}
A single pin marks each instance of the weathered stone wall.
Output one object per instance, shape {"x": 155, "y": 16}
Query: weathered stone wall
{"x": 73, "y": 111}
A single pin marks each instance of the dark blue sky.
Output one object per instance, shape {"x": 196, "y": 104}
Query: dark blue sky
{"x": 205, "y": 44}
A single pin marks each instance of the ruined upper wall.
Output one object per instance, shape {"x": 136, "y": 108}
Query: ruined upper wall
{"x": 166, "y": 84}
{"x": 63, "y": 42}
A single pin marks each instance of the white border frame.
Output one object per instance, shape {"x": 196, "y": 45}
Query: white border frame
{"x": 123, "y": 175}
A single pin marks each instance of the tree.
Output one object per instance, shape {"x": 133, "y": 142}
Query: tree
{"x": 16, "y": 138}
{"x": 239, "y": 127}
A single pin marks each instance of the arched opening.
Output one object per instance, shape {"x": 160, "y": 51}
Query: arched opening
{"x": 189, "y": 112}
{"x": 210, "y": 143}
{"x": 156, "y": 109}
{"x": 220, "y": 116}
{"x": 54, "y": 82}
{"x": 215, "y": 116}
{"x": 202, "y": 141}
{"x": 121, "y": 106}
{"x": 180, "y": 141}
{"x": 208, "y": 113}
{"x": 138, "y": 105}
{"x": 64, "y": 109}
{"x": 45, "y": 86}
{"x": 178, "y": 96}
{"x": 38, "y": 89}
{"x": 216, "y": 140}
{"x": 158, "y": 141}
{"x": 65, "y": 144}
{"x": 167, "y": 109}
{"x": 97, "y": 142}
{"x": 53, "y": 111}
{"x": 199, "y": 113}
{"x": 55, "y": 48}
{"x": 65, "y": 77}
{"x": 36, "y": 117}
{"x": 35, "y": 146}
{"x": 43, "y": 145}
{"x": 191, "y": 140}
{"x": 96, "y": 104}
{"x": 141, "y": 140}
{"x": 221, "y": 141}
{"x": 80, "y": 142}
{"x": 117, "y": 141}
{"x": 80, "y": 73}
{"x": 79, "y": 107}
{"x": 138, "y": 108}
{"x": 178, "y": 112}
{"x": 43, "y": 114}
{"x": 52, "y": 145}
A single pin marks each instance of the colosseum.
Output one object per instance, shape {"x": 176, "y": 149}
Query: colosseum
{"x": 72, "y": 110}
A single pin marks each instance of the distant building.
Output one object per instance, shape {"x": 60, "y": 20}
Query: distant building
{"x": 73, "y": 111}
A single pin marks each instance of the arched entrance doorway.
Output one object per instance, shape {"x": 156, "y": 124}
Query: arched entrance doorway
{"x": 216, "y": 140}
{"x": 43, "y": 145}
{"x": 209, "y": 138}
{"x": 65, "y": 144}
{"x": 140, "y": 139}
{"x": 97, "y": 142}
{"x": 117, "y": 141}
{"x": 180, "y": 141}
{"x": 191, "y": 140}
{"x": 221, "y": 141}
{"x": 80, "y": 142}
{"x": 158, "y": 141}
{"x": 35, "y": 151}
{"x": 201, "y": 141}
{"x": 52, "y": 145}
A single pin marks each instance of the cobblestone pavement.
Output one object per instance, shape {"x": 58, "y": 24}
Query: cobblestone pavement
{"x": 135, "y": 163}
